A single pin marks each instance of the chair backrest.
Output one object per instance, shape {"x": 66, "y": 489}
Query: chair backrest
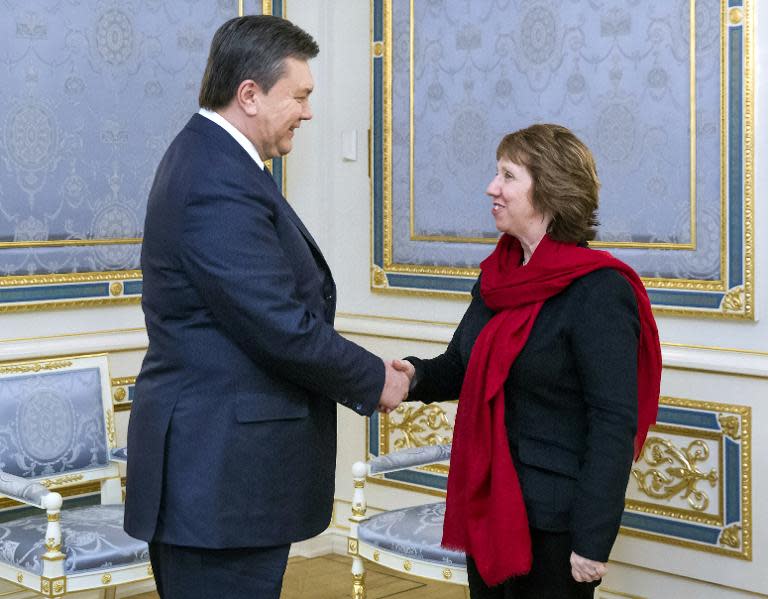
{"x": 56, "y": 420}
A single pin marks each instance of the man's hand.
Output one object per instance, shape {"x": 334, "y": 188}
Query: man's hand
{"x": 586, "y": 570}
{"x": 395, "y": 389}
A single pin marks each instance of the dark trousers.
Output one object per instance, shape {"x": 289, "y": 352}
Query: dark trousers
{"x": 550, "y": 576}
{"x": 196, "y": 573}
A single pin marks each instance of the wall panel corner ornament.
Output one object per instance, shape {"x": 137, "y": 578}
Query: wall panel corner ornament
{"x": 443, "y": 97}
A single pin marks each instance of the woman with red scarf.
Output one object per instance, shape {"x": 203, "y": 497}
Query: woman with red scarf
{"x": 556, "y": 364}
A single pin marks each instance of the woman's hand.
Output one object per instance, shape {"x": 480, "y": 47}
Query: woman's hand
{"x": 406, "y": 367}
{"x": 586, "y": 570}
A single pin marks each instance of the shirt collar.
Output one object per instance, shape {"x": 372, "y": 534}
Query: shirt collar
{"x": 234, "y": 132}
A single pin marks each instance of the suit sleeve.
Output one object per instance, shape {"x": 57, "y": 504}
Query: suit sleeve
{"x": 233, "y": 256}
{"x": 604, "y": 342}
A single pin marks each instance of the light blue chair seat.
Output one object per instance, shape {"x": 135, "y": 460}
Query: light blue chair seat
{"x": 93, "y": 538}
{"x": 413, "y": 532}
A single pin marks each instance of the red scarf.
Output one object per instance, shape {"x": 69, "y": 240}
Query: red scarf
{"x": 485, "y": 514}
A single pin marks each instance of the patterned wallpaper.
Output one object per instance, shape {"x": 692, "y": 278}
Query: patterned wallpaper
{"x": 92, "y": 93}
{"x": 616, "y": 72}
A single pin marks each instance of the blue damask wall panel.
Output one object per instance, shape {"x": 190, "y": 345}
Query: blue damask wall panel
{"x": 92, "y": 93}
{"x": 647, "y": 85}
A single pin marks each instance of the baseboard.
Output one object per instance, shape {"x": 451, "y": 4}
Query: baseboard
{"x": 329, "y": 541}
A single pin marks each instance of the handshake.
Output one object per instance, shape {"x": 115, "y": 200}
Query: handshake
{"x": 398, "y": 375}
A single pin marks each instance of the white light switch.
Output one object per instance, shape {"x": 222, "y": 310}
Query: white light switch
{"x": 349, "y": 145}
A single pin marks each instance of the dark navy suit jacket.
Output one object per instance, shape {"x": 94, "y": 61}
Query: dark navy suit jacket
{"x": 232, "y": 435}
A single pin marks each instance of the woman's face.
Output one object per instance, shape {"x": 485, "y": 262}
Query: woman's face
{"x": 511, "y": 191}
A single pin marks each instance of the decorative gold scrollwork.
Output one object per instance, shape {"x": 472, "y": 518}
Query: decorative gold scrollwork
{"x": 352, "y": 546}
{"x": 730, "y": 425}
{"x": 733, "y": 301}
{"x": 681, "y": 477}
{"x": 731, "y": 536}
{"x": 420, "y": 425}
{"x": 358, "y": 509}
{"x": 36, "y": 367}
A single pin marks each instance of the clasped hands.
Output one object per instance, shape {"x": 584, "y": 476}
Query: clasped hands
{"x": 398, "y": 375}
{"x": 586, "y": 570}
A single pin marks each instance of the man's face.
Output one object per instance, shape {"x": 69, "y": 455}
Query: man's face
{"x": 282, "y": 110}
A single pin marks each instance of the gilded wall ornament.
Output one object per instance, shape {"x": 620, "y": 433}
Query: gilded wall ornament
{"x": 682, "y": 474}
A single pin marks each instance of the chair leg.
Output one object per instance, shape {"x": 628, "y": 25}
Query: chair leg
{"x": 358, "y": 578}
{"x": 109, "y": 593}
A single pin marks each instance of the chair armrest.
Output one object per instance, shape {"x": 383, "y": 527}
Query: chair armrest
{"x": 119, "y": 454}
{"x": 408, "y": 458}
{"x": 23, "y": 490}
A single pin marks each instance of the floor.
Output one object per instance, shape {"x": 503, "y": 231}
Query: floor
{"x": 328, "y": 577}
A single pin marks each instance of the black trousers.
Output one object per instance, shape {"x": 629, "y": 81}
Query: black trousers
{"x": 550, "y": 576}
{"x": 196, "y": 573}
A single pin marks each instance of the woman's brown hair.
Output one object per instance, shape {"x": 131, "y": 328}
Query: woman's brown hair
{"x": 565, "y": 183}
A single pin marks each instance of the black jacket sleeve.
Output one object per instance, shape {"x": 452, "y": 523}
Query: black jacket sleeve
{"x": 441, "y": 378}
{"x": 604, "y": 342}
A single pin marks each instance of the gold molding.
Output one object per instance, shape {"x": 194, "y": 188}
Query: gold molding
{"x": 71, "y": 242}
{"x": 83, "y": 277}
{"x": 68, "y": 305}
{"x": 52, "y": 483}
{"x": 110, "y": 423}
{"x": 23, "y": 367}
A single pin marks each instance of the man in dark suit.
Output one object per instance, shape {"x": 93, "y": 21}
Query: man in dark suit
{"x": 232, "y": 436}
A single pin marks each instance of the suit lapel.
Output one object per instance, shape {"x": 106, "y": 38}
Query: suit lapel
{"x": 297, "y": 221}
{"x": 208, "y": 127}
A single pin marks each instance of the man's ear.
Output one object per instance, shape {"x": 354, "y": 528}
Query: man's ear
{"x": 249, "y": 96}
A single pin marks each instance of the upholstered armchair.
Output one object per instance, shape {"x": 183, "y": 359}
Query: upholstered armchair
{"x": 56, "y": 430}
{"x": 407, "y": 539}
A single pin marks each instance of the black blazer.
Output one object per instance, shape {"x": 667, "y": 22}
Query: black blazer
{"x": 571, "y": 405}
{"x": 232, "y": 435}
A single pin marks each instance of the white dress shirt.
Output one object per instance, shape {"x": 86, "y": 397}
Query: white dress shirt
{"x": 233, "y": 131}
